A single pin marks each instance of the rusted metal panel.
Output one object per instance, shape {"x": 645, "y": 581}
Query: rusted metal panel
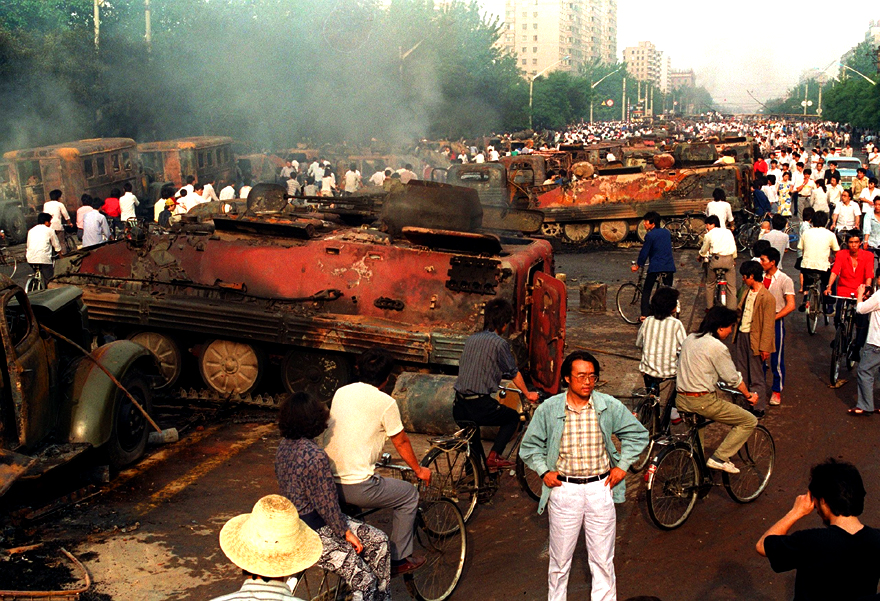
{"x": 12, "y": 467}
{"x": 188, "y": 156}
{"x": 547, "y": 331}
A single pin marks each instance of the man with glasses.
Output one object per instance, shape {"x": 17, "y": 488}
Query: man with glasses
{"x": 569, "y": 444}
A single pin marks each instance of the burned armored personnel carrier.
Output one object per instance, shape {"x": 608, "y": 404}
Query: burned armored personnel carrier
{"x": 301, "y": 291}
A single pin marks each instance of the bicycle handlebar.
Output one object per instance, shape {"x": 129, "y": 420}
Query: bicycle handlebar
{"x": 843, "y": 298}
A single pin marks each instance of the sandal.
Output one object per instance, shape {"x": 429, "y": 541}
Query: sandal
{"x": 856, "y": 412}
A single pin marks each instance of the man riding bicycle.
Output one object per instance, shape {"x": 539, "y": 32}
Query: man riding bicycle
{"x": 485, "y": 360}
{"x": 657, "y": 252}
{"x": 704, "y": 361}
{"x": 41, "y": 241}
{"x": 852, "y": 268}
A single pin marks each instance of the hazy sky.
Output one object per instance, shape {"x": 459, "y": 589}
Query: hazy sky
{"x": 746, "y": 46}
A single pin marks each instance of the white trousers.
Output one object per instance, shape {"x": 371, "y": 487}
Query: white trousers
{"x": 591, "y": 507}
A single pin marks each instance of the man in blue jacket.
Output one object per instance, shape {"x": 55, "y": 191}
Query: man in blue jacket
{"x": 569, "y": 443}
{"x": 657, "y": 252}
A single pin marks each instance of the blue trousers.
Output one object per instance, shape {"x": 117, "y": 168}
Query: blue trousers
{"x": 777, "y": 359}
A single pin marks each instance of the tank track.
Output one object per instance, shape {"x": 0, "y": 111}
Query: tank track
{"x": 266, "y": 401}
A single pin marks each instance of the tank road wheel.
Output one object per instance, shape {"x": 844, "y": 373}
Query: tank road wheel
{"x": 230, "y": 367}
{"x": 578, "y": 232}
{"x": 314, "y": 372}
{"x": 641, "y": 231}
{"x": 166, "y": 352}
{"x": 613, "y": 231}
{"x": 551, "y": 229}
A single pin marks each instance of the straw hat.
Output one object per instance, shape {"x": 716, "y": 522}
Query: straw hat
{"x": 270, "y": 541}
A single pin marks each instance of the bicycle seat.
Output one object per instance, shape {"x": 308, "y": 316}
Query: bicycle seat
{"x": 691, "y": 419}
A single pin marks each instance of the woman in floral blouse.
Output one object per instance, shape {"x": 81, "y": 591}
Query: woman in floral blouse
{"x": 357, "y": 552}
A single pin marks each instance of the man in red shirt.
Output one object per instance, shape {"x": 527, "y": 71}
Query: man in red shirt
{"x": 853, "y": 267}
{"x": 760, "y": 166}
{"x": 112, "y": 210}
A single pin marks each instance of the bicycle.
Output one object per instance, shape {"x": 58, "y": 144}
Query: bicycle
{"x": 649, "y": 414}
{"x": 844, "y": 339}
{"x": 8, "y": 262}
{"x": 748, "y": 231}
{"x": 678, "y": 474}
{"x": 814, "y": 304}
{"x": 629, "y": 296}
{"x": 35, "y": 281}
{"x": 720, "y": 296}
{"x": 459, "y": 474}
{"x": 687, "y": 231}
{"x": 440, "y": 535}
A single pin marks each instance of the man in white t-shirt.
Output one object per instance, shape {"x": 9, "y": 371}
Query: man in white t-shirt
{"x": 846, "y": 214}
{"x": 352, "y": 180}
{"x": 869, "y": 194}
{"x": 361, "y": 418}
{"x": 127, "y": 203}
{"x": 58, "y": 211}
{"x": 227, "y": 192}
{"x": 720, "y": 208}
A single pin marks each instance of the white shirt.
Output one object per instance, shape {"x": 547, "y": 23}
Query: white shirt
{"x": 378, "y": 178}
{"x": 847, "y": 215}
{"x": 57, "y": 210}
{"x": 867, "y": 197}
{"x": 771, "y": 192}
{"x": 494, "y": 156}
{"x": 127, "y": 203}
{"x": 721, "y": 209}
{"x": 188, "y": 188}
{"x": 777, "y": 239}
{"x": 208, "y": 193}
{"x": 227, "y": 193}
{"x": 872, "y": 305}
{"x": 245, "y": 190}
{"x": 95, "y": 229}
{"x": 40, "y": 242}
{"x": 718, "y": 241}
{"x": 818, "y": 243}
{"x": 819, "y": 199}
{"x": 834, "y": 193}
{"x": 352, "y": 178}
{"x": 361, "y": 418}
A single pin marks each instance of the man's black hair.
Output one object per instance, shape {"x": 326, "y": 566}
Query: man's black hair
{"x": 54, "y": 194}
{"x": 497, "y": 313}
{"x": 115, "y": 193}
{"x": 854, "y": 233}
{"x": 778, "y": 222}
{"x": 127, "y": 187}
{"x": 43, "y": 218}
{"x": 374, "y": 366}
{"x": 872, "y": 180}
{"x": 664, "y": 302}
{"x": 808, "y": 214}
{"x": 190, "y": 179}
{"x": 820, "y": 219}
{"x": 718, "y": 194}
{"x": 713, "y": 220}
{"x": 759, "y": 247}
{"x": 652, "y": 217}
{"x": 716, "y": 318}
{"x": 752, "y": 268}
{"x": 839, "y": 484}
{"x": 771, "y": 254}
{"x": 167, "y": 192}
{"x": 578, "y": 356}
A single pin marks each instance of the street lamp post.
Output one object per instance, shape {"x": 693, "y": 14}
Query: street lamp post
{"x": 592, "y": 86}
{"x": 532, "y": 83}
{"x": 858, "y": 73}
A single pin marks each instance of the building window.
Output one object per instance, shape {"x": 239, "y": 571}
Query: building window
{"x": 534, "y": 49}
{"x": 525, "y": 25}
{"x": 523, "y": 38}
{"x": 534, "y": 61}
{"x": 535, "y": 14}
{"x": 534, "y": 38}
{"x": 524, "y": 50}
{"x": 525, "y": 61}
{"x": 525, "y": 14}
{"x": 534, "y": 25}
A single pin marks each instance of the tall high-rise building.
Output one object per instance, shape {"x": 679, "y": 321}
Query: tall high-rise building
{"x": 542, "y": 33}
{"x": 645, "y": 63}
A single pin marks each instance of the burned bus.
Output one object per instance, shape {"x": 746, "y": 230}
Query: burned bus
{"x": 93, "y": 167}
{"x": 169, "y": 162}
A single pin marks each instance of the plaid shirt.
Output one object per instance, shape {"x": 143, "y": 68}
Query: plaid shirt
{"x": 582, "y": 449}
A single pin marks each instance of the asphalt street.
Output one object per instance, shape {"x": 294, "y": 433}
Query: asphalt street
{"x": 152, "y": 532}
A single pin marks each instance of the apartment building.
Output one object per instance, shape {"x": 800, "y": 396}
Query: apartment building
{"x": 645, "y": 63}
{"x": 557, "y": 34}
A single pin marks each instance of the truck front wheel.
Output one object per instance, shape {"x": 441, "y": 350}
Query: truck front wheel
{"x": 14, "y": 225}
{"x": 128, "y": 438}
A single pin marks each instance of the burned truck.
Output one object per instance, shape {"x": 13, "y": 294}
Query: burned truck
{"x": 610, "y": 200}
{"x": 301, "y": 291}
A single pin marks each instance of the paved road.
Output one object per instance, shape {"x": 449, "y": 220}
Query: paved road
{"x": 152, "y": 533}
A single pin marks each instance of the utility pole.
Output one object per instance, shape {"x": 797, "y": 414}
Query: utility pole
{"x": 97, "y": 23}
{"x": 623, "y": 101}
{"x": 148, "y": 35}
{"x": 819, "y": 108}
{"x": 806, "y": 88}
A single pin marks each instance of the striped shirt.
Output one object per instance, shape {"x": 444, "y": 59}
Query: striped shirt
{"x": 582, "y": 449}
{"x": 485, "y": 361}
{"x": 660, "y": 341}
{"x": 261, "y": 590}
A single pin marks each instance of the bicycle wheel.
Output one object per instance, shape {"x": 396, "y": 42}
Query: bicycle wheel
{"x": 529, "y": 480}
{"x": 8, "y": 264}
{"x": 648, "y": 415}
{"x": 456, "y": 476}
{"x": 836, "y": 347}
{"x": 629, "y": 302}
{"x": 445, "y": 553}
{"x": 321, "y": 585}
{"x": 34, "y": 283}
{"x": 813, "y": 311}
{"x": 678, "y": 233}
{"x": 755, "y": 461}
{"x": 672, "y": 489}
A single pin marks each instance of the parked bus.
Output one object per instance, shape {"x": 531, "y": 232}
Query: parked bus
{"x": 93, "y": 167}
{"x": 169, "y": 162}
